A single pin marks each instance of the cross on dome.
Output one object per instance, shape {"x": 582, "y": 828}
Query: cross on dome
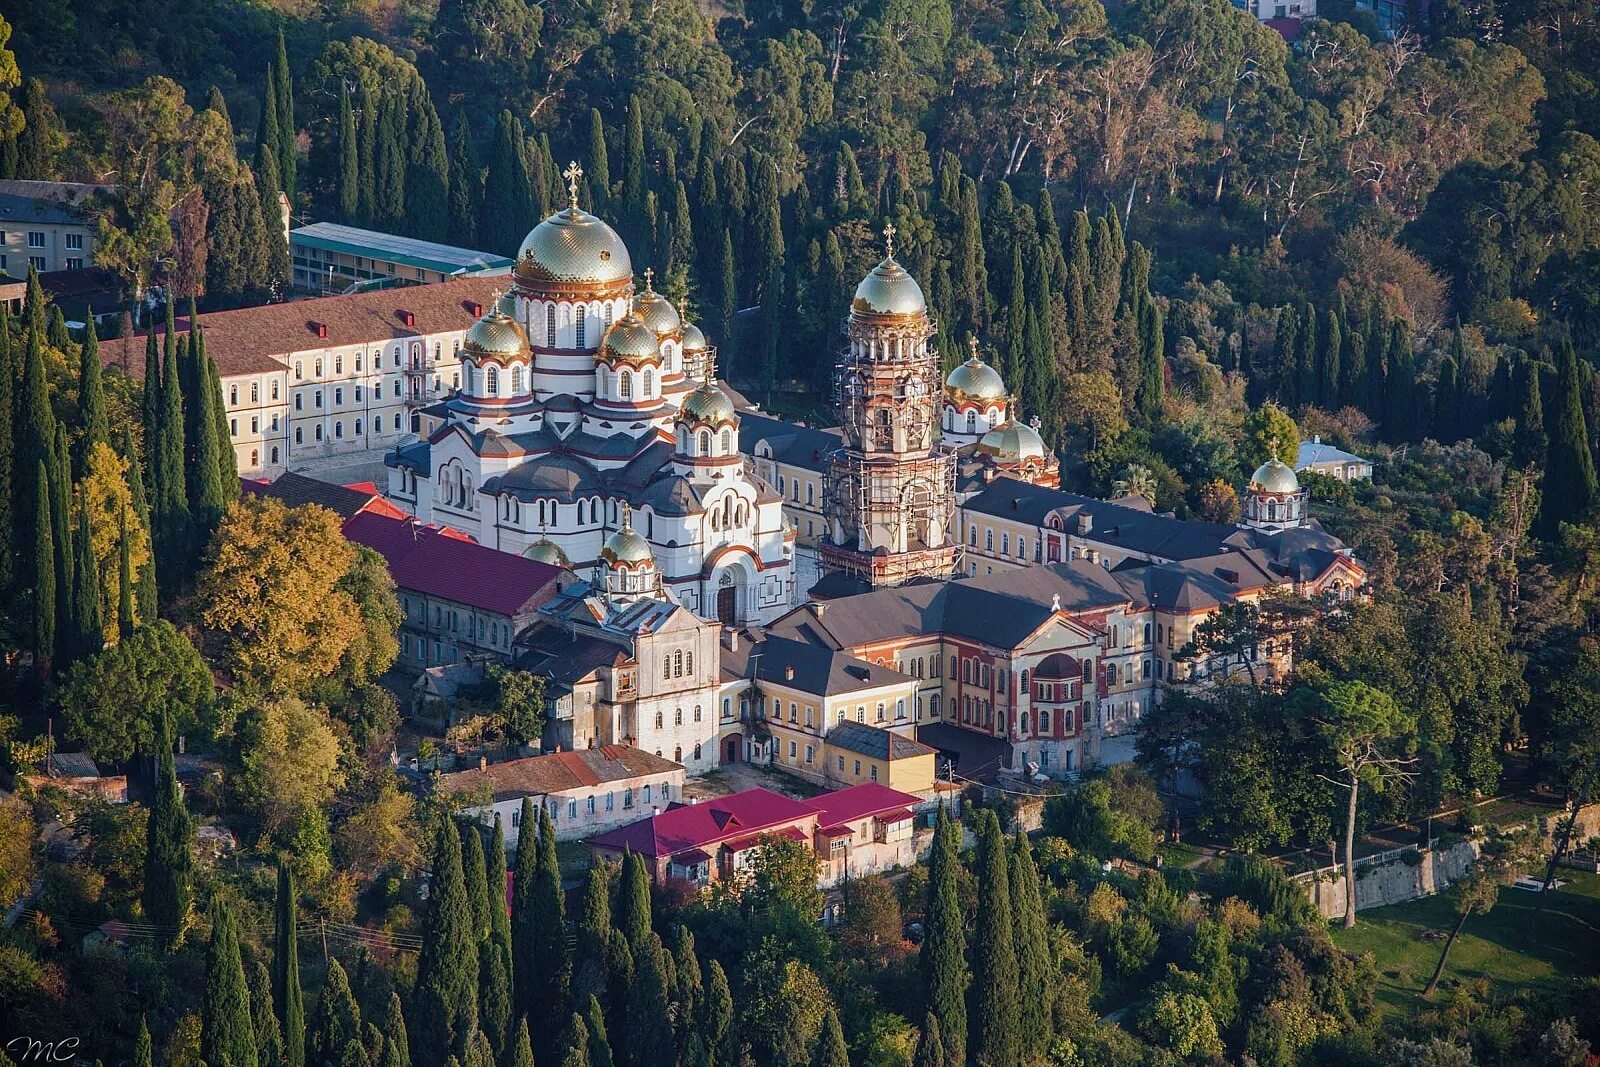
{"x": 649, "y": 279}
{"x": 627, "y": 515}
{"x": 972, "y": 343}
{"x": 572, "y": 174}
{"x": 888, "y": 240}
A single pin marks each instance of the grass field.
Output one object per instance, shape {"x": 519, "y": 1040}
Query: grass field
{"x": 1490, "y": 947}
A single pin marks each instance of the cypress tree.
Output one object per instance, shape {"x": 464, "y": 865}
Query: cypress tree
{"x": 444, "y": 1004}
{"x": 335, "y": 1022}
{"x": 494, "y": 995}
{"x": 495, "y": 881}
{"x": 633, "y": 168}
{"x": 507, "y": 195}
{"x": 993, "y": 1036}
{"x": 166, "y": 856}
{"x": 145, "y": 588}
{"x": 91, "y": 397}
{"x": 396, "y": 1045}
{"x": 150, "y": 409}
{"x": 349, "y": 183}
{"x": 1529, "y": 444}
{"x": 389, "y": 189}
{"x": 227, "y": 1034}
{"x": 1305, "y": 357}
{"x": 716, "y": 1014}
{"x": 1033, "y": 946}
{"x": 35, "y": 318}
{"x": 970, "y": 278}
{"x": 125, "y": 616}
{"x": 1352, "y": 363}
{"x": 597, "y": 165}
{"x": 1016, "y": 352}
{"x": 576, "y": 1041}
{"x": 143, "y": 1051}
{"x": 227, "y": 461}
{"x": 680, "y": 239}
{"x": 943, "y": 959}
{"x": 288, "y": 157}
{"x": 648, "y": 1025}
{"x": 831, "y": 1049}
{"x": 1328, "y": 364}
{"x": 522, "y": 1052}
{"x": 553, "y": 973}
{"x": 427, "y": 169}
{"x": 367, "y": 159}
{"x": 1284, "y": 345}
{"x": 525, "y": 962}
{"x": 269, "y": 138}
{"x": 68, "y": 632}
{"x": 263, "y": 1019}
{"x": 43, "y": 557}
{"x": 1152, "y": 361}
{"x": 1049, "y": 233}
{"x": 728, "y": 302}
{"x": 1401, "y": 417}
{"x": 60, "y": 339}
{"x": 633, "y": 900}
{"x": 170, "y": 508}
{"x": 930, "y": 1049}
{"x": 287, "y": 997}
{"x": 35, "y": 434}
{"x": 1105, "y": 266}
{"x": 1446, "y": 419}
{"x": 204, "y": 482}
{"x": 466, "y": 184}
{"x": 474, "y": 870}
{"x": 594, "y": 931}
{"x": 88, "y": 637}
{"x": 1569, "y": 477}
{"x": 600, "y": 1054}
{"x": 13, "y": 535}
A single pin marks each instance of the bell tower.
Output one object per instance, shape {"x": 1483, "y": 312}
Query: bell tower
{"x": 890, "y": 491}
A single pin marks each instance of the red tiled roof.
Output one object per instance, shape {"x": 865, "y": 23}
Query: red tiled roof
{"x": 343, "y": 500}
{"x": 256, "y": 340}
{"x": 556, "y": 772}
{"x": 859, "y": 802}
{"x": 425, "y": 560}
{"x": 748, "y": 813}
{"x": 793, "y": 833}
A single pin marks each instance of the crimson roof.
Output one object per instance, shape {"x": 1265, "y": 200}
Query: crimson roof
{"x": 859, "y": 802}
{"x": 426, "y": 560}
{"x": 688, "y": 826}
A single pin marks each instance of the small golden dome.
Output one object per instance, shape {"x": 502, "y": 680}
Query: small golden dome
{"x": 1274, "y": 476}
{"x": 694, "y": 340}
{"x": 656, "y": 310}
{"x": 889, "y": 290}
{"x": 573, "y": 247}
{"x": 545, "y": 550}
{"x": 707, "y": 405}
{"x": 496, "y": 335}
{"x": 976, "y": 380}
{"x": 626, "y": 546}
{"x": 1013, "y": 442}
{"x": 630, "y": 340}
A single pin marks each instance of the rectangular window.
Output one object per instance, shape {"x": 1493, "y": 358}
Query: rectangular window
{"x": 317, "y": 398}
{"x": 74, "y": 262}
{"x": 572, "y": 809}
{"x": 75, "y": 242}
{"x": 338, "y": 397}
{"x": 255, "y": 424}
{"x": 35, "y": 238}
{"x": 233, "y": 427}
{"x": 36, "y": 262}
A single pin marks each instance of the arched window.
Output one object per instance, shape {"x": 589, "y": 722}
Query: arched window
{"x": 625, "y": 385}
{"x": 705, "y": 443}
{"x": 493, "y": 381}
{"x": 358, "y": 427}
{"x": 658, "y": 720}
{"x": 516, "y": 381}
{"x": 727, "y": 441}
{"x": 649, "y": 382}
{"x": 318, "y": 367}
{"x": 697, "y": 715}
{"x": 972, "y": 421}
{"x": 688, "y": 662}
{"x": 581, "y": 314}
{"x": 550, "y": 325}
{"x": 677, "y": 664}
{"x": 255, "y": 458}
{"x": 677, "y": 717}
{"x": 677, "y": 757}
{"x": 683, "y": 439}
{"x": 274, "y": 455}
{"x": 666, "y": 668}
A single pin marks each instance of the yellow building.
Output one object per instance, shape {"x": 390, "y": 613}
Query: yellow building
{"x": 859, "y": 753}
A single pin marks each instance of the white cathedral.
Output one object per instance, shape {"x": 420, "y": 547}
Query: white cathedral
{"x": 582, "y": 399}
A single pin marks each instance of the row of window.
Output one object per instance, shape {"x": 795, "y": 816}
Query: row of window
{"x": 675, "y": 665}
{"x": 38, "y": 238}
{"x": 417, "y": 347}
{"x": 1005, "y": 544}
{"x": 593, "y": 804}
{"x": 677, "y": 717}
{"x": 338, "y": 429}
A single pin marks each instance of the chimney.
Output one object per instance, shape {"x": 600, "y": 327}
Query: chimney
{"x": 730, "y": 637}
{"x": 788, "y": 674}
{"x": 483, "y": 763}
{"x": 410, "y": 318}
{"x": 654, "y": 811}
{"x": 1316, "y": 438}
{"x": 322, "y": 329}
{"x": 473, "y": 308}
{"x": 820, "y": 607}
{"x": 1085, "y": 523}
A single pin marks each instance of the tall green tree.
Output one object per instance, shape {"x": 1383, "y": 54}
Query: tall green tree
{"x": 88, "y": 636}
{"x": 349, "y": 181}
{"x": 335, "y": 1022}
{"x": 227, "y": 1034}
{"x": 943, "y": 959}
{"x": 170, "y": 533}
{"x": 930, "y": 1048}
{"x": 597, "y": 165}
{"x": 633, "y": 900}
{"x": 14, "y": 546}
{"x": 35, "y": 433}
{"x": 287, "y": 997}
{"x": 831, "y": 1049}
{"x": 288, "y": 151}
{"x": 92, "y": 424}
{"x": 67, "y": 630}
{"x": 508, "y": 202}
{"x": 444, "y": 1004}
{"x": 475, "y": 873}
{"x": 396, "y": 1044}
{"x": 1033, "y": 947}
{"x": 575, "y": 1039}
{"x": 43, "y": 579}
{"x": 145, "y": 590}
{"x": 167, "y": 861}
{"x": 993, "y": 1031}
{"x": 466, "y": 184}
{"x": 1569, "y": 480}
{"x": 648, "y": 1023}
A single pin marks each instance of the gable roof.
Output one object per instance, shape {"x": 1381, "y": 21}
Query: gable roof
{"x": 799, "y": 446}
{"x": 46, "y": 203}
{"x": 345, "y": 501}
{"x": 1317, "y": 451}
{"x": 860, "y": 802}
{"x": 425, "y": 560}
{"x": 261, "y": 339}
{"x": 871, "y": 741}
{"x": 555, "y": 772}
{"x": 446, "y": 259}
{"x": 816, "y": 668}
{"x": 682, "y": 827}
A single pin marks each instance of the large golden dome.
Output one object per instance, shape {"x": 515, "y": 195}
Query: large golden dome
{"x": 575, "y": 248}
{"x": 496, "y": 336}
{"x": 708, "y": 405}
{"x": 1274, "y": 476}
{"x": 630, "y": 340}
{"x": 626, "y": 546}
{"x": 976, "y": 380}
{"x": 545, "y": 550}
{"x": 657, "y": 312}
{"x": 1012, "y": 441}
{"x": 694, "y": 340}
{"x": 889, "y": 290}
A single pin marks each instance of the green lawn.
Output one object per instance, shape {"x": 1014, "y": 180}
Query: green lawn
{"x": 1491, "y": 946}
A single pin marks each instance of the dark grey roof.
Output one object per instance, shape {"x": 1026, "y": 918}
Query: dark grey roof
{"x": 1199, "y": 584}
{"x": 871, "y": 741}
{"x": 817, "y": 668}
{"x": 45, "y": 203}
{"x": 671, "y": 494}
{"x": 799, "y": 446}
{"x": 415, "y": 455}
{"x": 1133, "y": 529}
{"x": 296, "y": 489}
{"x": 556, "y": 477}
{"x": 997, "y": 609}
{"x": 563, "y": 656}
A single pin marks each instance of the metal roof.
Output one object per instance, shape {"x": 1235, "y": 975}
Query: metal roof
{"x": 374, "y": 244}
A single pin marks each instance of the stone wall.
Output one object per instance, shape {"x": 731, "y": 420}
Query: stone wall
{"x": 1392, "y": 877}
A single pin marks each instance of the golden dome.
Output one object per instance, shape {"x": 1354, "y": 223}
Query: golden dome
{"x": 889, "y": 290}
{"x": 626, "y": 546}
{"x": 707, "y": 405}
{"x": 656, "y": 311}
{"x": 630, "y": 340}
{"x": 545, "y": 550}
{"x": 573, "y": 247}
{"x": 1274, "y": 476}
{"x": 694, "y": 340}
{"x": 1013, "y": 441}
{"x": 977, "y": 380}
{"x": 506, "y": 305}
{"x": 496, "y": 335}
